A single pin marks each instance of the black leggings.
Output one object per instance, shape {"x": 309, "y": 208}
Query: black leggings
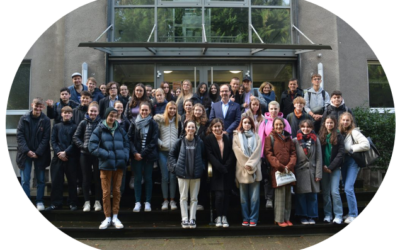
{"x": 87, "y": 161}
{"x": 222, "y": 202}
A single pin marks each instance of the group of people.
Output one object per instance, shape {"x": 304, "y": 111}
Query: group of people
{"x": 242, "y": 139}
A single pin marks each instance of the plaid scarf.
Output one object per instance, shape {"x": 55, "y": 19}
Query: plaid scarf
{"x": 306, "y": 141}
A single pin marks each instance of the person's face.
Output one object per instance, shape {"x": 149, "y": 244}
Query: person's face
{"x": 254, "y": 106}
{"x": 112, "y": 116}
{"x": 166, "y": 88}
{"x": 190, "y": 129}
{"x": 316, "y": 81}
{"x": 119, "y": 107}
{"x": 124, "y": 91}
{"x": 198, "y": 112}
{"x": 186, "y": 86}
{"x": 241, "y": 90}
{"x": 188, "y": 107}
{"x": 213, "y": 90}
{"x": 345, "y": 121}
{"x": 336, "y": 100}
{"x": 172, "y": 111}
{"x": 329, "y": 124}
{"x": 144, "y": 111}
{"x": 246, "y": 85}
{"x": 91, "y": 85}
{"x": 293, "y": 85}
{"x": 139, "y": 92}
{"x": 113, "y": 90}
{"x": 234, "y": 85}
{"x": 77, "y": 80}
{"x": 298, "y": 106}
{"x": 305, "y": 128}
{"x": 246, "y": 124}
{"x": 203, "y": 89}
{"x": 37, "y": 109}
{"x": 159, "y": 97}
{"x": 273, "y": 111}
{"x": 103, "y": 89}
{"x": 85, "y": 100}
{"x": 148, "y": 91}
{"x": 266, "y": 89}
{"x": 93, "y": 112}
{"x": 178, "y": 92}
{"x": 217, "y": 128}
{"x": 224, "y": 92}
{"x": 64, "y": 96}
{"x": 66, "y": 116}
{"x": 278, "y": 126}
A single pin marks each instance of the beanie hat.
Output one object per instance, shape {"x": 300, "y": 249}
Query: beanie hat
{"x": 108, "y": 110}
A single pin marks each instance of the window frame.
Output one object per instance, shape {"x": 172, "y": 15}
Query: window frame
{"x": 379, "y": 109}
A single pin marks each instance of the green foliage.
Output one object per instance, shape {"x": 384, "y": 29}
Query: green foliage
{"x": 381, "y": 128}
{"x": 133, "y": 25}
{"x": 273, "y": 25}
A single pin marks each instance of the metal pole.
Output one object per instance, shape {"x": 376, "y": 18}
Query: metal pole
{"x": 109, "y": 27}
{"x": 152, "y": 32}
{"x": 256, "y": 33}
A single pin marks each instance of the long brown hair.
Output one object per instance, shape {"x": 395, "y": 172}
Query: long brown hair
{"x": 323, "y": 132}
{"x": 203, "y": 117}
{"x": 259, "y": 114}
{"x": 166, "y": 117}
{"x": 240, "y": 127}
{"x": 342, "y": 129}
{"x": 212, "y": 123}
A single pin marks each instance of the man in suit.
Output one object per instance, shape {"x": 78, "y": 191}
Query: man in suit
{"x": 226, "y": 110}
{"x": 112, "y": 90}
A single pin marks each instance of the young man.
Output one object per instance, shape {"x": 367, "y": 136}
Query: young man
{"x": 54, "y": 111}
{"x": 108, "y": 101}
{"x": 96, "y": 93}
{"x": 64, "y": 162}
{"x": 77, "y": 87}
{"x": 288, "y": 96}
{"x": 78, "y": 113}
{"x": 124, "y": 92}
{"x": 245, "y": 97}
{"x": 33, "y": 136}
{"x": 235, "y": 96}
{"x": 337, "y": 106}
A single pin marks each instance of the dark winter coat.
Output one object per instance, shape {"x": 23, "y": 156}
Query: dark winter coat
{"x": 337, "y": 154}
{"x": 150, "y": 152}
{"x": 125, "y": 123}
{"x": 159, "y": 108}
{"x": 205, "y": 101}
{"x": 41, "y": 145}
{"x": 97, "y": 95}
{"x": 177, "y": 159}
{"x": 224, "y": 168}
{"x": 105, "y": 103}
{"x": 55, "y": 111}
{"x": 83, "y": 132}
{"x": 286, "y": 106}
{"x": 61, "y": 138}
{"x": 78, "y": 114}
{"x": 337, "y": 111}
{"x": 112, "y": 150}
{"x": 295, "y": 122}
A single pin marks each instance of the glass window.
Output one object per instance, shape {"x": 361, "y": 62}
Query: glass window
{"x": 133, "y": 24}
{"x": 179, "y": 25}
{"x": 177, "y": 76}
{"x": 273, "y": 25}
{"x": 227, "y": 25}
{"x": 180, "y": 1}
{"x": 130, "y": 74}
{"x": 380, "y": 95}
{"x": 19, "y": 93}
{"x": 12, "y": 121}
{"x": 271, "y": 2}
{"x": 134, "y": 2}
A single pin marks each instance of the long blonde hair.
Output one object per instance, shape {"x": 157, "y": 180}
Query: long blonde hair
{"x": 187, "y": 95}
{"x": 177, "y": 116}
{"x": 342, "y": 129}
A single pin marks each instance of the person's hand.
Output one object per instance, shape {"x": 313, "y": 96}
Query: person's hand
{"x": 327, "y": 170}
{"x": 245, "y": 105}
{"x": 232, "y": 99}
{"x": 287, "y": 169}
{"x": 248, "y": 168}
{"x": 317, "y": 179}
{"x": 225, "y": 133}
{"x": 50, "y": 103}
{"x": 62, "y": 155}
{"x": 34, "y": 156}
{"x": 317, "y": 117}
{"x": 138, "y": 157}
{"x": 30, "y": 154}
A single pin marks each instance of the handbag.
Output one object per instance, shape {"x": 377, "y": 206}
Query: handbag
{"x": 284, "y": 178}
{"x": 366, "y": 158}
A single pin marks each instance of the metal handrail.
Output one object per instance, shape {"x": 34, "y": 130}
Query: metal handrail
{"x": 154, "y": 27}
{"x": 303, "y": 34}
{"x": 109, "y": 27}
{"x": 255, "y": 31}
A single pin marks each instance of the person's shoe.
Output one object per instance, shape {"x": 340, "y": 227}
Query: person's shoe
{"x": 311, "y": 221}
{"x": 290, "y": 224}
{"x": 283, "y": 224}
{"x": 164, "y": 205}
{"x": 345, "y": 217}
{"x": 142, "y": 180}
{"x": 327, "y": 219}
{"x": 349, "y": 220}
{"x": 337, "y": 220}
{"x": 132, "y": 183}
{"x": 292, "y": 190}
{"x": 97, "y": 206}
{"x": 73, "y": 207}
{"x": 218, "y": 221}
{"x": 173, "y": 205}
{"x": 104, "y": 224}
{"x": 79, "y": 190}
{"x": 245, "y": 223}
{"x": 117, "y": 223}
{"x": 40, "y": 206}
{"x": 253, "y": 224}
{"x": 137, "y": 207}
{"x": 86, "y": 206}
{"x": 51, "y": 208}
{"x": 269, "y": 204}
{"x": 304, "y": 221}
{"x": 199, "y": 207}
{"x": 147, "y": 207}
{"x": 185, "y": 224}
{"x": 225, "y": 221}
{"x": 192, "y": 224}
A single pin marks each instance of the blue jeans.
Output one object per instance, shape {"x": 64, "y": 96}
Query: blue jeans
{"x": 349, "y": 175}
{"x": 250, "y": 201}
{"x": 307, "y": 205}
{"x": 166, "y": 176}
{"x": 26, "y": 179}
{"x": 330, "y": 187}
{"x": 147, "y": 169}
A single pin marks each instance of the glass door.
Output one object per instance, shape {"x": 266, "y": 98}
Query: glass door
{"x": 223, "y": 74}
{"x": 174, "y": 75}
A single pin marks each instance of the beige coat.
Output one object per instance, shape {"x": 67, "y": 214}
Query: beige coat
{"x": 254, "y": 161}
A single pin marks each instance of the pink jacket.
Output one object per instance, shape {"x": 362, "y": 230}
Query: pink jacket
{"x": 265, "y": 128}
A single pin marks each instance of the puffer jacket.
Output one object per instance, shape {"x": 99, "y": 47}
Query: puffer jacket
{"x": 177, "y": 159}
{"x": 149, "y": 153}
{"x": 55, "y": 111}
{"x": 168, "y": 134}
{"x": 112, "y": 150}
{"x": 61, "y": 138}
{"x": 78, "y": 114}
{"x": 83, "y": 132}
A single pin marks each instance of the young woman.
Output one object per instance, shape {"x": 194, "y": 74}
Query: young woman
{"x": 255, "y": 113}
{"x": 266, "y": 93}
{"x": 170, "y": 130}
{"x": 332, "y": 156}
{"x": 282, "y": 157}
{"x": 354, "y": 141}
{"x": 214, "y": 93}
{"x": 201, "y": 96}
{"x": 138, "y": 96}
{"x": 188, "y": 106}
{"x": 308, "y": 171}
{"x": 241, "y": 89}
{"x": 88, "y": 161}
{"x": 185, "y": 160}
{"x": 160, "y": 103}
{"x": 143, "y": 134}
{"x": 103, "y": 89}
{"x": 247, "y": 149}
{"x": 110, "y": 144}
{"x": 186, "y": 93}
{"x": 220, "y": 155}
{"x": 177, "y": 92}
{"x": 167, "y": 92}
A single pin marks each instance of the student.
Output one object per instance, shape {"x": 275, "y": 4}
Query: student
{"x": 33, "y": 136}
{"x": 132, "y": 108}
{"x": 78, "y": 113}
{"x": 86, "y": 160}
{"x": 288, "y": 97}
{"x": 124, "y": 92}
{"x": 187, "y": 93}
{"x": 188, "y": 106}
{"x": 337, "y": 106}
{"x": 110, "y": 144}
{"x": 234, "y": 84}
{"x": 297, "y": 115}
{"x": 54, "y": 111}
{"x": 255, "y": 113}
{"x": 201, "y": 96}
{"x": 63, "y": 162}
{"x": 214, "y": 93}
{"x": 185, "y": 160}
{"x": 160, "y": 102}
{"x": 168, "y": 92}
{"x": 103, "y": 89}
{"x": 96, "y": 93}
{"x": 109, "y": 100}
{"x": 266, "y": 94}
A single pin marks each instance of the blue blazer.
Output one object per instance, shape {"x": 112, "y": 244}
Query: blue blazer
{"x": 232, "y": 118}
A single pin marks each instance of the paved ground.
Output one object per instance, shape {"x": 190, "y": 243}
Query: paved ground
{"x": 231, "y": 243}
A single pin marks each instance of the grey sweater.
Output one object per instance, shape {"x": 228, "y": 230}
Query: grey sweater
{"x": 168, "y": 134}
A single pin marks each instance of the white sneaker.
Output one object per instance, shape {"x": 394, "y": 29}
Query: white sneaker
{"x": 40, "y": 206}
{"x": 269, "y": 204}
{"x": 173, "y": 205}
{"x": 137, "y": 207}
{"x": 104, "y": 224}
{"x": 345, "y": 217}
{"x": 164, "y": 205}
{"x": 97, "y": 206}
{"x": 349, "y": 220}
{"x": 132, "y": 183}
{"x": 86, "y": 206}
{"x": 327, "y": 219}
{"x": 199, "y": 208}
{"x": 337, "y": 220}
{"x": 225, "y": 221}
{"x": 147, "y": 207}
{"x": 117, "y": 223}
{"x": 218, "y": 221}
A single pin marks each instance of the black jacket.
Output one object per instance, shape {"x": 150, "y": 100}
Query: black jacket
{"x": 337, "y": 154}
{"x": 286, "y": 106}
{"x": 177, "y": 159}
{"x": 97, "y": 95}
{"x": 337, "y": 111}
{"x": 78, "y": 114}
{"x": 105, "y": 102}
{"x": 41, "y": 145}
{"x": 150, "y": 152}
{"x": 205, "y": 101}
{"x": 83, "y": 132}
{"x": 61, "y": 138}
{"x": 125, "y": 123}
{"x": 55, "y": 111}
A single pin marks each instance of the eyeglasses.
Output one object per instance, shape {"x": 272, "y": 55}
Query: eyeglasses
{"x": 113, "y": 88}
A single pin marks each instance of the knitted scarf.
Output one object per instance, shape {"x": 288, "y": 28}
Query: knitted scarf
{"x": 298, "y": 115}
{"x": 306, "y": 141}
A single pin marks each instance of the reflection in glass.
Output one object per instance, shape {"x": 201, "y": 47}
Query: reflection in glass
{"x": 180, "y": 1}
{"x": 380, "y": 95}
{"x": 227, "y": 25}
{"x": 177, "y": 76}
{"x": 19, "y": 93}
{"x": 133, "y": 24}
{"x": 130, "y": 74}
{"x": 224, "y": 76}
{"x": 273, "y": 25}
{"x": 271, "y": 2}
{"x": 133, "y": 2}
{"x": 12, "y": 121}
{"x": 179, "y": 25}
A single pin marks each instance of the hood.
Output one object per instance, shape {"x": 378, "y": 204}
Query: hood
{"x": 341, "y": 104}
{"x": 268, "y": 116}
